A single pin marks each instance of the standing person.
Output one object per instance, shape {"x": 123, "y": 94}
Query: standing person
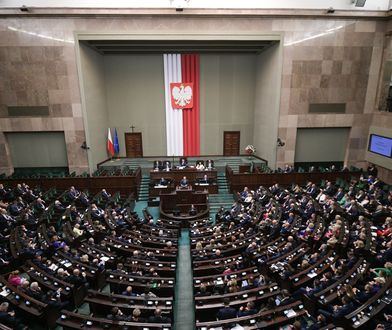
{"x": 372, "y": 170}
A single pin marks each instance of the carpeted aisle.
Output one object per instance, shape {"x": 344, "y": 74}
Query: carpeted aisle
{"x": 184, "y": 309}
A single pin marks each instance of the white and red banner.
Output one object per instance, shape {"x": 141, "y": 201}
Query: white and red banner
{"x": 182, "y": 104}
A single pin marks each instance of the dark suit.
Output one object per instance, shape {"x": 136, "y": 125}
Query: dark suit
{"x": 247, "y": 312}
{"x": 184, "y": 183}
{"x": 226, "y": 313}
{"x": 7, "y": 319}
{"x": 193, "y": 211}
{"x": 159, "y": 319}
{"x": 340, "y": 311}
{"x": 163, "y": 182}
{"x": 77, "y": 280}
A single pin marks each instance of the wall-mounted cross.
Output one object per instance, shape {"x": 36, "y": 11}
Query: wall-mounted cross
{"x": 132, "y": 128}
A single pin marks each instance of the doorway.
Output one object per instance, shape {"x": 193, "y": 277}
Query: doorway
{"x": 133, "y": 145}
{"x": 231, "y": 143}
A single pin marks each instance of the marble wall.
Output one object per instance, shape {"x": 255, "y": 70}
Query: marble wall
{"x": 325, "y": 60}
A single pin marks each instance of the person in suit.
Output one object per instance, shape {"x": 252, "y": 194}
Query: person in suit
{"x": 36, "y": 292}
{"x": 7, "y": 317}
{"x": 184, "y": 182}
{"x": 77, "y": 278}
{"x": 183, "y": 162}
{"x": 53, "y": 299}
{"x": 204, "y": 179}
{"x": 167, "y": 167}
{"x": 372, "y": 170}
{"x": 15, "y": 209}
{"x": 163, "y": 182}
{"x": 339, "y": 195}
{"x": 193, "y": 210}
{"x": 83, "y": 199}
{"x": 129, "y": 292}
{"x": 249, "y": 309}
{"x": 226, "y": 312}
{"x": 6, "y": 221}
{"x": 97, "y": 212}
{"x": 105, "y": 195}
{"x": 72, "y": 194}
{"x": 58, "y": 206}
{"x": 288, "y": 169}
{"x": 158, "y": 318}
{"x": 385, "y": 255}
{"x": 338, "y": 312}
{"x": 4, "y": 192}
{"x": 117, "y": 315}
{"x": 319, "y": 323}
{"x": 330, "y": 189}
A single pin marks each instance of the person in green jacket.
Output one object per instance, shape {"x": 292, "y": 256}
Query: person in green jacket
{"x": 381, "y": 272}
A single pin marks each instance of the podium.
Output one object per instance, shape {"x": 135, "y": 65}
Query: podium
{"x": 176, "y": 205}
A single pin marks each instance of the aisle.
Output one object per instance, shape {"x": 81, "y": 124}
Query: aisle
{"x": 184, "y": 309}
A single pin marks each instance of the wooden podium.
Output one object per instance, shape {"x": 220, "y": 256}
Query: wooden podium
{"x": 177, "y": 204}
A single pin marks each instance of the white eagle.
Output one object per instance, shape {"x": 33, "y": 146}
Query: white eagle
{"x": 182, "y": 95}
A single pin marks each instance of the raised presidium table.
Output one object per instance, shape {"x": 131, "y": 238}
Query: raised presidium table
{"x": 184, "y": 204}
{"x": 195, "y": 178}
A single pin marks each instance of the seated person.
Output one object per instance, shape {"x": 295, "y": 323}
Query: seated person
{"x": 204, "y": 179}
{"x": 72, "y": 193}
{"x": 226, "y": 312}
{"x": 158, "y": 318}
{"x": 83, "y": 199}
{"x": 184, "y": 182}
{"x": 97, "y": 212}
{"x": 210, "y": 164}
{"x": 58, "y": 206}
{"x": 249, "y": 309}
{"x": 7, "y": 317}
{"x": 163, "y": 182}
{"x": 200, "y": 166}
{"x": 53, "y": 299}
{"x": 76, "y": 231}
{"x": 15, "y": 279}
{"x": 117, "y": 315}
{"x": 193, "y": 210}
{"x": 183, "y": 162}
{"x": 337, "y": 312}
{"x": 129, "y": 292}
{"x": 167, "y": 166}
{"x": 105, "y": 195}
{"x": 135, "y": 317}
{"x": 157, "y": 165}
{"x": 78, "y": 278}
{"x": 35, "y": 291}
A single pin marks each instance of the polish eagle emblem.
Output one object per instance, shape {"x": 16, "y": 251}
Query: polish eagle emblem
{"x": 181, "y": 95}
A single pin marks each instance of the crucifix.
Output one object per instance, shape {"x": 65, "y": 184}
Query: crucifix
{"x": 132, "y": 128}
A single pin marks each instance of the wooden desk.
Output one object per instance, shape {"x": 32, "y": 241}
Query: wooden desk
{"x": 78, "y": 321}
{"x": 181, "y": 200}
{"x": 238, "y": 181}
{"x": 176, "y": 175}
{"x": 270, "y": 319}
{"x": 124, "y": 184}
{"x": 101, "y": 303}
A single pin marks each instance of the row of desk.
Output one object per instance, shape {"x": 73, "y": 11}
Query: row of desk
{"x": 238, "y": 181}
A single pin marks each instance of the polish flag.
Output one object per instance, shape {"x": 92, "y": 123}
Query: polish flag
{"x": 181, "y": 72}
{"x": 110, "y": 144}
